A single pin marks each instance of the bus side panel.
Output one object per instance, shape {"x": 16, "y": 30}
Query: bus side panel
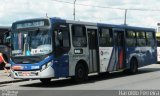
{"x": 132, "y": 52}
{"x": 113, "y": 61}
{"x": 61, "y": 66}
{"x": 117, "y": 62}
{"x": 158, "y": 54}
{"x": 153, "y": 54}
{"x": 144, "y": 55}
{"x": 147, "y": 55}
{"x": 105, "y": 54}
{"x": 74, "y": 57}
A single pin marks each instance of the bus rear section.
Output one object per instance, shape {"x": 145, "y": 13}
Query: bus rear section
{"x": 158, "y": 51}
{"x": 158, "y": 46}
{"x": 126, "y": 48}
{"x": 141, "y": 47}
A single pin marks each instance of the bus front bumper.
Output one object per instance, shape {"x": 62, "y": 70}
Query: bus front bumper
{"x": 46, "y": 73}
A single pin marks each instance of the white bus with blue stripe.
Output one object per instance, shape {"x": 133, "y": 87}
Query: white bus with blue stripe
{"x": 47, "y": 48}
{"x": 158, "y": 46}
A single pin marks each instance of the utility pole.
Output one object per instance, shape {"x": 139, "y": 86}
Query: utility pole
{"x": 74, "y": 13}
{"x": 125, "y": 18}
{"x": 46, "y": 15}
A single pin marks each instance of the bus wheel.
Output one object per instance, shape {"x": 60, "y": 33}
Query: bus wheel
{"x": 133, "y": 66}
{"x": 81, "y": 73}
{"x": 45, "y": 80}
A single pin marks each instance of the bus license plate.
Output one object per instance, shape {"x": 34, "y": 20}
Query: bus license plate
{"x": 26, "y": 73}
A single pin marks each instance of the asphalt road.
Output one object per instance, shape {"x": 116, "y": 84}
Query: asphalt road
{"x": 147, "y": 78}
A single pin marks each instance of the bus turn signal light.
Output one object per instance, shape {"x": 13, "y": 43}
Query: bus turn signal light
{"x": 17, "y": 67}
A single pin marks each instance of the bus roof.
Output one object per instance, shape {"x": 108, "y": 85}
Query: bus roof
{"x": 56, "y": 19}
{"x": 25, "y": 20}
{"x": 126, "y": 27}
{"x": 103, "y": 24}
{"x": 5, "y": 27}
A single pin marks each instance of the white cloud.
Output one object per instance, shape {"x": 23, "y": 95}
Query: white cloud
{"x": 13, "y": 10}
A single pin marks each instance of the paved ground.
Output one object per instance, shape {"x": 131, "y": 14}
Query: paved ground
{"x": 147, "y": 78}
{"x": 4, "y": 78}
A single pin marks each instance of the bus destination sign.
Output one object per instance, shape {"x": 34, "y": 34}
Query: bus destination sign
{"x": 31, "y": 24}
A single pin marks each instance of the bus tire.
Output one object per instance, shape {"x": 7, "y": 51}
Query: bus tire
{"x": 45, "y": 80}
{"x": 133, "y": 66}
{"x": 81, "y": 74}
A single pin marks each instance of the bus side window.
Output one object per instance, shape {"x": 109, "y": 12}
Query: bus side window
{"x": 120, "y": 40}
{"x": 150, "y": 39}
{"x": 130, "y": 38}
{"x": 105, "y": 37}
{"x": 141, "y": 40}
{"x": 62, "y": 38}
{"x": 118, "y": 35}
{"x": 65, "y": 36}
{"x": 79, "y": 36}
{"x": 62, "y": 43}
{"x": 57, "y": 40}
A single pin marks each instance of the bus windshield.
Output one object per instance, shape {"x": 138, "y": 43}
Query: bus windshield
{"x": 31, "y": 43}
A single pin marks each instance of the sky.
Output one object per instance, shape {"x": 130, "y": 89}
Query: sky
{"x": 14, "y": 10}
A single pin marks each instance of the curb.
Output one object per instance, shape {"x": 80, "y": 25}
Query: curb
{"x": 12, "y": 81}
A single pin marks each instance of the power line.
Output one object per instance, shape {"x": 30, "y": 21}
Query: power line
{"x": 106, "y": 7}
{"x": 63, "y": 1}
{"x": 87, "y": 5}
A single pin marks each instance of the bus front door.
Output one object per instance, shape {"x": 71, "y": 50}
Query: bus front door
{"x": 119, "y": 49}
{"x": 93, "y": 49}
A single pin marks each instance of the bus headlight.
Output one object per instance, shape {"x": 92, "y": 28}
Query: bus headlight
{"x": 43, "y": 67}
{"x": 47, "y": 65}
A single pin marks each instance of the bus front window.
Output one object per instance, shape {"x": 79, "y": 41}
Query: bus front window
{"x": 30, "y": 43}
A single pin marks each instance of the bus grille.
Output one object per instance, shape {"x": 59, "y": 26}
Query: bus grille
{"x": 27, "y": 60}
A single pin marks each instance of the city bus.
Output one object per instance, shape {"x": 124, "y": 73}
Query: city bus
{"x": 158, "y": 46}
{"x": 46, "y": 48}
{"x": 5, "y": 44}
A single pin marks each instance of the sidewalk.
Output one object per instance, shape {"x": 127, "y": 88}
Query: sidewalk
{"x": 5, "y": 79}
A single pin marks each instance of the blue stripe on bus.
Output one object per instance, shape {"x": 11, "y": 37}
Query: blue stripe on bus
{"x": 61, "y": 66}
